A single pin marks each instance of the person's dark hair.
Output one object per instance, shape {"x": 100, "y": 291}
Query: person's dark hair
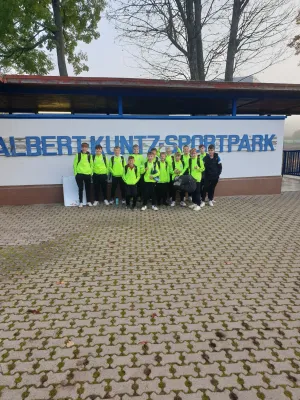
{"x": 135, "y": 145}
{"x": 117, "y": 147}
{"x": 150, "y": 152}
{"x": 130, "y": 158}
{"x": 84, "y": 144}
{"x": 186, "y": 145}
{"x": 211, "y": 147}
{"x": 154, "y": 149}
{"x": 201, "y": 145}
{"x": 98, "y": 147}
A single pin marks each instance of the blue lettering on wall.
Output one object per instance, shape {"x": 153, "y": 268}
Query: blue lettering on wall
{"x": 257, "y": 140}
{"x": 244, "y": 144}
{"x": 221, "y": 138}
{"x": 209, "y": 139}
{"x": 171, "y": 140}
{"x": 269, "y": 142}
{"x": 108, "y": 149}
{"x": 183, "y": 140}
{"x": 13, "y": 149}
{"x": 196, "y": 141}
{"x": 3, "y": 148}
{"x": 64, "y": 142}
{"x": 79, "y": 139}
{"x": 140, "y": 142}
{"x": 126, "y": 144}
{"x": 232, "y": 139}
{"x": 46, "y": 145}
{"x": 36, "y": 145}
{"x": 155, "y": 141}
{"x": 60, "y": 145}
{"x": 95, "y": 142}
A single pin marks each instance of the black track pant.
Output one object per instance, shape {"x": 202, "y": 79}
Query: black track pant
{"x": 131, "y": 193}
{"x": 162, "y": 190}
{"x": 86, "y": 180}
{"x": 100, "y": 184}
{"x": 117, "y": 180}
{"x": 174, "y": 192}
{"x": 149, "y": 192}
{"x": 196, "y": 195}
{"x": 209, "y": 188}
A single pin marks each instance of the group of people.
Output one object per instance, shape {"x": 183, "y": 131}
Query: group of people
{"x": 150, "y": 179}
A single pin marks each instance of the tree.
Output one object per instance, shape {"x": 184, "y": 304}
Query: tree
{"x": 203, "y": 39}
{"x": 31, "y": 30}
{"x": 295, "y": 43}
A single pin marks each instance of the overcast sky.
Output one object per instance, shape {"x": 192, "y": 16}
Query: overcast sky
{"x": 107, "y": 58}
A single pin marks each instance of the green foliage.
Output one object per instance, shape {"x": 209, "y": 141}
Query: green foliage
{"x": 27, "y": 33}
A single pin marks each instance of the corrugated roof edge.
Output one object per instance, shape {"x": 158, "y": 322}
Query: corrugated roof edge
{"x": 145, "y": 83}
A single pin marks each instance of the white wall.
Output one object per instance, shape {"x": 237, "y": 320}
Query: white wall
{"x": 43, "y": 169}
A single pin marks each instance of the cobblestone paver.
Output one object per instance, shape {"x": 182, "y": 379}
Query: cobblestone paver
{"x": 107, "y": 303}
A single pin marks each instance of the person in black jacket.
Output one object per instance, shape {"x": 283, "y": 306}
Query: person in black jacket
{"x": 213, "y": 170}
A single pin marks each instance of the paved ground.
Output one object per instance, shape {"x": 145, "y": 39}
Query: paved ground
{"x": 114, "y": 304}
{"x": 290, "y": 183}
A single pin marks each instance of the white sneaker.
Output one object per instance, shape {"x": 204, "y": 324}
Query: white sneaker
{"x": 202, "y": 204}
{"x": 192, "y": 206}
{"x": 106, "y": 202}
{"x": 95, "y": 203}
{"x": 154, "y": 208}
{"x": 89, "y": 204}
{"x": 144, "y": 208}
{"x": 214, "y": 201}
{"x": 111, "y": 202}
{"x": 190, "y": 199}
{"x": 197, "y": 208}
{"x": 123, "y": 201}
{"x": 182, "y": 203}
{"x": 80, "y": 205}
{"x": 172, "y": 204}
{"x": 211, "y": 203}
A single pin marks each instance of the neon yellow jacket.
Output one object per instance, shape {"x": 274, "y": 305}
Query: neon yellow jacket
{"x": 149, "y": 171}
{"x": 84, "y": 166}
{"x": 138, "y": 160}
{"x": 164, "y": 170}
{"x": 118, "y": 168}
{"x": 99, "y": 166}
{"x": 131, "y": 176}
{"x": 202, "y": 155}
{"x": 177, "y": 165}
{"x": 169, "y": 159}
{"x": 196, "y": 173}
{"x": 185, "y": 159}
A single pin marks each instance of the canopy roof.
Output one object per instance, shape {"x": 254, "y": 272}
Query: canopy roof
{"x": 33, "y": 94}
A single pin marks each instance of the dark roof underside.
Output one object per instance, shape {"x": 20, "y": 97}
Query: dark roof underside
{"x": 32, "y": 94}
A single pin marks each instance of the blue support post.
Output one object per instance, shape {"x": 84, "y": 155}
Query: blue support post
{"x": 233, "y": 107}
{"x": 120, "y": 105}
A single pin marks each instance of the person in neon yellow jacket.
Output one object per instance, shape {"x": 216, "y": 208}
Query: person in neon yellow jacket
{"x": 195, "y": 168}
{"x": 100, "y": 172}
{"x": 162, "y": 186}
{"x": 131, "y": 176}
{"x": 151, "y": 175}
{"x": 116, "y": 168}
{"x": 83, "y": 171}
{"x": 139, "y": 161}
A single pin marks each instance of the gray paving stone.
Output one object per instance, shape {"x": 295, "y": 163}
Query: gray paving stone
{"x": 214, "y": 314}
